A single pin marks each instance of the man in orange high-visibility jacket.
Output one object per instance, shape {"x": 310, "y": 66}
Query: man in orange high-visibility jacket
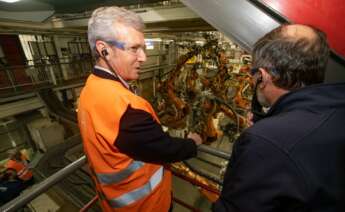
{"x": 123, "y": 140}
{"x": 18, "y": 165}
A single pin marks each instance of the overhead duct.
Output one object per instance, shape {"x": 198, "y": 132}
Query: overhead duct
{"x": 238, "y": 19}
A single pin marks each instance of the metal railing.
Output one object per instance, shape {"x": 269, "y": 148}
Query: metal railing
{"x": 17, "y": 78}
{"x": 214, "y": 152}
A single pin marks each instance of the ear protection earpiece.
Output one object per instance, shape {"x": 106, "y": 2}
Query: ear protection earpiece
{"x": 104, "y": 52}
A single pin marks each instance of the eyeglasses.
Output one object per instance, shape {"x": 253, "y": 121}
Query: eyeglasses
{"x": 134, "y": 50}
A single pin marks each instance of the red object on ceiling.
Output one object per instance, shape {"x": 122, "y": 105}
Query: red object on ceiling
{"x": 327, "y": 15}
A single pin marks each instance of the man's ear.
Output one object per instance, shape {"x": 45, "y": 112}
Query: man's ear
{"x": 265, "y": 77}
{"x": 100, "y": 46}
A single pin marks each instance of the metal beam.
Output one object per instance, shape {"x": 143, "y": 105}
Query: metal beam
{"x": 214, "y": 151}
{"x": 240, "y": 20}
{"x": 20, "y": 106}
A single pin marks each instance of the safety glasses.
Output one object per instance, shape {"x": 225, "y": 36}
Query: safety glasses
{"x": 134, "y": 50}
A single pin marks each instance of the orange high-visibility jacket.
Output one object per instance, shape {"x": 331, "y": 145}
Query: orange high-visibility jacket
{"x": 123, "y": 184}
{"x": 23, "y": 171}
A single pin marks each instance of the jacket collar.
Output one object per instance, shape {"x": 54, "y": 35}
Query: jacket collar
{"x": 314, "y": 98}
{"x": 107, "y": 74}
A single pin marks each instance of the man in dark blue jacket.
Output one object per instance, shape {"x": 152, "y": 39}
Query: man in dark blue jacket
{"x": 293, "y": 158}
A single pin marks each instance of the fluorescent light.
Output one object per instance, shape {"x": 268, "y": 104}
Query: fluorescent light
{"x": 10, "y": 1}
{"x": 153, "y": 39}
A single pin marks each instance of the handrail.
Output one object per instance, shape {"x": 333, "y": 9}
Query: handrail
{"x": 51, "y": 76}
{"x": 43, "y": 186}
{"x": 214, "y": 151}
{"x": 49, "y": 63}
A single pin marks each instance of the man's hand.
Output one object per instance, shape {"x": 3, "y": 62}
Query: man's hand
{"x": 195, "y": 137}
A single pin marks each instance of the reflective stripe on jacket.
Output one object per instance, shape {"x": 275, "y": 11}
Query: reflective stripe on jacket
{"x": 123, "y": 184}
{"x": 22, "y": 170}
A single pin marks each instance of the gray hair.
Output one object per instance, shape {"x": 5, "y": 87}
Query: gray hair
{"x": 102, "y": 24}
{"x": 294, "y": 62}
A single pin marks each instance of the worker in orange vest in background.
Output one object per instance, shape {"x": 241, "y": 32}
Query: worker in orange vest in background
{"x": 18, "y": 166}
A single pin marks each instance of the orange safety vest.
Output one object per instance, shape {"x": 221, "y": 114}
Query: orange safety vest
{"x": 23, "y": 171}
{"x": 122, "y": 183}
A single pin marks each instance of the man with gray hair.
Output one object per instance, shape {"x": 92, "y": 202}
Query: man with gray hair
{"x": 292, "y": 158}
{"x": 123, "y": 140}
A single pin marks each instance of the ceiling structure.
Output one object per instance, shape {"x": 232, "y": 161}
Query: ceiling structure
{"x": 67, "y": 6}
{"x": 73, "y": 14}
{"x": 42, "y": 10}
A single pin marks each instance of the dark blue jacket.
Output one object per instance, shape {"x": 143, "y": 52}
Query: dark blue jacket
{"x": 293, "y": 159}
